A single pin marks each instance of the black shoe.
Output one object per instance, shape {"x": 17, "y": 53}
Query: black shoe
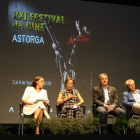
{"x": 117, "y": 132}
{"x": 104, "y": 131}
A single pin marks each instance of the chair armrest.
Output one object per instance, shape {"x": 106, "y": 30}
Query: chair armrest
{"x": 58, "y": 109}
{"x": 120, "y": 106}
{"x": 94, "y": 107}
{"x": 84, "y": 108}
{"x": 20, "y": 104}
{"x": 48, "y": 108}
{"x": 128, "y": 111}
{"x": 20, "y": 108}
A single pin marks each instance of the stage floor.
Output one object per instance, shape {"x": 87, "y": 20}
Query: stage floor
{"x": 70, "y": 137}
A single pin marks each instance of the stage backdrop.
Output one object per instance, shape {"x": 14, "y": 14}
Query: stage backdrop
{"x": 65, "y": 39}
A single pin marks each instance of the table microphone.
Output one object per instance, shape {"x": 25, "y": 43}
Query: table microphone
{"x": 72, "y": 94}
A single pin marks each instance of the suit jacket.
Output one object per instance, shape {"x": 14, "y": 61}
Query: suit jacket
{"x": 99, "y": 97}
{"x": 128, "y": 99}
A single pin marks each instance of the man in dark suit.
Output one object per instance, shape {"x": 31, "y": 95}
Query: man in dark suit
{"x": 131, "y": 98}
{"x": 106, "y": 99}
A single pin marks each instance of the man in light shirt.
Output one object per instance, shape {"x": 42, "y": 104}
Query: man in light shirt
{"x": 106, "y": 99}
{"x": 131, "y": 98}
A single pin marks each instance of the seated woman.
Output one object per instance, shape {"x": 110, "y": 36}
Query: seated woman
{"x": 68, "y": 98}
{"x": 31, "y": 94}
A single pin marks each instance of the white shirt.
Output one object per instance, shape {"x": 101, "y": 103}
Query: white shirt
{"x": 106, "y": 95}
{"x": 136, "y": 96}
{"x": 32, "y": 95}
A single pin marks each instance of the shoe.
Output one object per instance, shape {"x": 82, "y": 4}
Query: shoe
{"x": 105, "y": 131}
{"x": 117, "y": 132}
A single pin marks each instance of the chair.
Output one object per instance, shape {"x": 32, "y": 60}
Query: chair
{"x": 22, "y": 116}
{"x": 129, "y": 113}
{"x": 110, "y": 118}
{"x": 60, "y": 115}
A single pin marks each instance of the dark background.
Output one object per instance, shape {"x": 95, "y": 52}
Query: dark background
{"x": 114, "y": 49}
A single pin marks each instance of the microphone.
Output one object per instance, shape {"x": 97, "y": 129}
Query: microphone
{"x": 72, "y": 94}
{"x": 71, "y": 91}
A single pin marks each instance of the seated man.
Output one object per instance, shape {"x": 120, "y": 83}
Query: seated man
{"x": 106, "y": 99}
{"x": 131, "y": 98}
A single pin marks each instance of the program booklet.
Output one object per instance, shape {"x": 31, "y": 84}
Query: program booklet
{"x": 110, "y": 107}
{"x": 43, "y": 100}
{"x": 74, "y": 107}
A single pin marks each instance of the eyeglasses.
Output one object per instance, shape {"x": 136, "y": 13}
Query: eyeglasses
{"x": 69, "y": 84}
{"x": 104, "y": 79}
{"x": 131, "y": 85}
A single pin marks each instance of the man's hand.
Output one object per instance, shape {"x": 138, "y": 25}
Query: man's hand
{"x": 138, "y": 102}
{"x": 112, "y": 108}
{"x": 107, "y": 106}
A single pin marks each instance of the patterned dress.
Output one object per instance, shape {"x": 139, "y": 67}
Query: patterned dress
{"x": 67, "y": 106}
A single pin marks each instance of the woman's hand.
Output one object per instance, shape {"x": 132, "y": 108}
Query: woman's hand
{"x": 46, "y": 103}
{"x": 26, "y": 102}
{"x": 31, "y": 103}
{"x": 69, "y": 96}
{"x": 61, "y": 100}
{"x": 76, "y": 105}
